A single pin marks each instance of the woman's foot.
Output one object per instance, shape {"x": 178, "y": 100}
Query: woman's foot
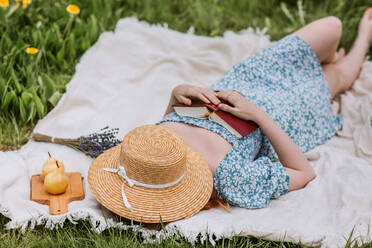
{"x": 365, "y": 26}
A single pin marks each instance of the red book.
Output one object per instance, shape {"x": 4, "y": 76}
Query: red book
{"x": 235, "y": 125}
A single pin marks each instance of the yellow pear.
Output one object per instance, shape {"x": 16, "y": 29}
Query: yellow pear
{"x": 56, "y": 182}
{"x": 50, "y": 165}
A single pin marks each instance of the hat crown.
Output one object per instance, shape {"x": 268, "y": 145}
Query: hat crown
{"x": 153, "y": 154}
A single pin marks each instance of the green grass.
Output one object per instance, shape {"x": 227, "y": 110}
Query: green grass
{"x": 80, "y": 235}
{"x": 12, "y": 134}
{"x": 31, "y": 85}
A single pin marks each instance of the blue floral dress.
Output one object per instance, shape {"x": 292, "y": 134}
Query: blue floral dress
{"x": 286, "y": 80}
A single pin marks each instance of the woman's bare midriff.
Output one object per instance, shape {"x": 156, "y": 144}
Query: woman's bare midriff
{"x": 209, "y": 144}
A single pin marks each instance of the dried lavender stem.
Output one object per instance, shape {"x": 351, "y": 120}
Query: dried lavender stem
{"x": 46, "y": 138}
{"x": 92, "y": 145}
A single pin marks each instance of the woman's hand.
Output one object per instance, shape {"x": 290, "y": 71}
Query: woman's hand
{"x": 290, "y": 155}
{"x": 240, "y": 106}
{"x": 184, "y": 93}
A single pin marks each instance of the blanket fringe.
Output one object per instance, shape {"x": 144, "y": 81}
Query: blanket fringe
{"x": 99, "y": 224}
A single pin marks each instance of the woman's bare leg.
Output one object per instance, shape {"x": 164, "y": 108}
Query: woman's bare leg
{"x": 343, "y": 73}
{"x": 324, "y": 35}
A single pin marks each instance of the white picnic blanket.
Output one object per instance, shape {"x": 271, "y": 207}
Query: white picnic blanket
{"x": 125, "y": 80}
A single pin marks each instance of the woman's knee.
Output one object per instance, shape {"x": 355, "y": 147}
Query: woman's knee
{"x": 333, "y": 25}
{"x": 323, "y": 34}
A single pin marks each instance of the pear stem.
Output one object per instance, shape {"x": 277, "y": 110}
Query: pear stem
{"x": 50, "y": 156}
{"x": 57, "y": 164}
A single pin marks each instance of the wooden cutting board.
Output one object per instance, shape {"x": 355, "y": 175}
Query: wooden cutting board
{"x": 57, "y": 203}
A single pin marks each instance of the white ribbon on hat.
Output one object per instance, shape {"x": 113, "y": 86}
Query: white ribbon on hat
{"x": 121, "y": 172}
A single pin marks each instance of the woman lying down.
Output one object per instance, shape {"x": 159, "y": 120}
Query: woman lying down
{"x": 170, "y": 170}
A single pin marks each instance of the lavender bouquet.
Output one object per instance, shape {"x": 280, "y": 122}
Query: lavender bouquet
{"x": 92, "y": 145}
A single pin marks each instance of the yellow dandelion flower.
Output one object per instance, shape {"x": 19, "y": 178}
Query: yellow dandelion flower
{"x": 31, "y": 50}
{"x": 73, "y": 9}
{"x": 24, "y": 3}
{"x": 4, "y": 3}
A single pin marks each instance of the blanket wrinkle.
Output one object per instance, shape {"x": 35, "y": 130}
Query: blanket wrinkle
{"x": 137, "y": 66}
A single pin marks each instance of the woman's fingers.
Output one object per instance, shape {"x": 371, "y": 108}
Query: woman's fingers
{"x": 202, "y": 97}
{"x": 211, "y": 96}
{"x": 241, "y": 106}
{"x": 229, "y": 96}
{"x": 227, "y": 108}
{"x": 206, "y": 95}
{"x": 185, "y": 94}
{"x": 184, "y": 100}
{"x": 224, "y": 94}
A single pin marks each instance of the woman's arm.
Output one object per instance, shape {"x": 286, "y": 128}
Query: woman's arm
{"x": 184, "y": 93}
{"x": 290, "y": 156}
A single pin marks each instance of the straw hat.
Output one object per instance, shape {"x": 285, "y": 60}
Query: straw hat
{"x": 159, "y": 178}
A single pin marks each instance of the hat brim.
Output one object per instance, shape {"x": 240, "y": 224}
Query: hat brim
{"x": 179, "y": 201}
